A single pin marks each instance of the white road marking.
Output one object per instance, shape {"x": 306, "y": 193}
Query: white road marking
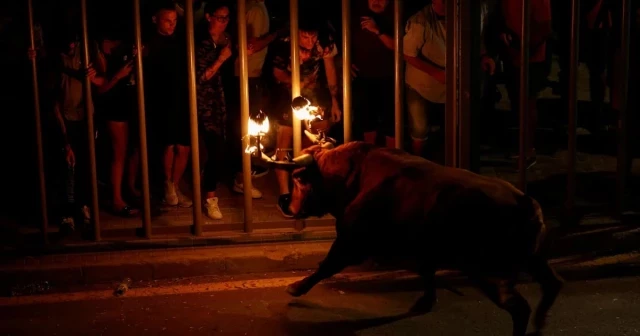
{"x": 190, "y": 289}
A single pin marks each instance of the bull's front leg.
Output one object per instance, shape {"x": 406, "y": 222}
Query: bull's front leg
{"x": 426, "y": 302}
{"x": 341, "y": 255}
{"x": 348, "y": 248}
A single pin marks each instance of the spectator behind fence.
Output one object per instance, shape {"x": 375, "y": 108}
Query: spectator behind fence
{"x": 70, "y": 114}
{"x": 167, "y": 98}
{"x": 321, "y": 89}
{"x": 117, "y": 105}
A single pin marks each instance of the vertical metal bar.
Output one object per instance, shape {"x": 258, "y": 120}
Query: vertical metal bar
{"x": 346, "y": 69}
{"x": 573, "y": 107}
{"x": 398, "y": 65}
{"x": 88, "y": 108}
{"x": 524, "y": 93}
{"x": 244, "y": 113}
{"x": 451, "y": 107}
{"x": 142, "y": 124}
{"x": 38, "y": 123}
{"x": 469, "y": 84}
{"x": 295, "y": 74}
{"x": 193, "y": 119}
{"x": 623, "y": 124}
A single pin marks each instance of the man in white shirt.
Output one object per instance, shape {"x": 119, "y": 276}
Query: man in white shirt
{"x": 425, "y": 50}
{"x": 258, "y": 40}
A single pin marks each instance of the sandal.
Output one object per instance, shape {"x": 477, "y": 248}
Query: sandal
{"x": 126, "y": 211}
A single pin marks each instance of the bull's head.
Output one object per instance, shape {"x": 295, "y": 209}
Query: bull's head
{"x": 306, "y": 197}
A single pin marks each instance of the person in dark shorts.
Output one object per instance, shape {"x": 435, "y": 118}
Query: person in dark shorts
{"x": 116, "y": 104}
{"x": 509, "y": 36}
{"x": 316, "y": 52}
{"x": 373, "y": 70}
{"x": 167, "y": 97}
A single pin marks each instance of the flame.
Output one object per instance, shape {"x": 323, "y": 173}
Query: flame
{"x": 251, "y": 149}
{"x": 256, "y": 128}
{"x": 308, "y": 113}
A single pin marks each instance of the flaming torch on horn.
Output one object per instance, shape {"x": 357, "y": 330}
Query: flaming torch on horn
{"x": 258, "y": 127}
{"x": 308, "y": 113}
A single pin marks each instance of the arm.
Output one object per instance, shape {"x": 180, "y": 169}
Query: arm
{"x": 282, "y": 76}
{"x": 260, "y": 43}
{"x": 427, "y": 67}
{"x": 387, "y": 40}
{"x": 60, "y": 120}
{"x": 210, "y": 71}
{"x": 413, "y": 42}
{"x": 101, "y": 64}
{"x": 332, "y": 76}
{"x": 281, "y": 64}
{"x": 205, "y": 70}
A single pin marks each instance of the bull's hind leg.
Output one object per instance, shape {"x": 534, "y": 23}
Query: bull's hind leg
{"x": 426, "y": 302}
{"x": 504, "y": 294}
{"x": 550, "y": 284}
{"x": 342, "y": 254}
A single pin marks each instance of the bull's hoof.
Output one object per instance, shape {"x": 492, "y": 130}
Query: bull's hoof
{"x": 297, "y": 289}
{"x": 424, "y": 305}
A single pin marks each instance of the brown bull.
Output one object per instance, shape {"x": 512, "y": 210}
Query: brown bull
{"x": 389, "y": 204}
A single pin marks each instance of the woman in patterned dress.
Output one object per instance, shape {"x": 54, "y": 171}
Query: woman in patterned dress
{"x": 212, "y": 52}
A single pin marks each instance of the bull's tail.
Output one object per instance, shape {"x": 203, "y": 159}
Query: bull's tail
{"x": 538, "y": 265}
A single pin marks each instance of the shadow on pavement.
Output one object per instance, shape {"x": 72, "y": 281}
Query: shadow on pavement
{"x": 339, "y": 327}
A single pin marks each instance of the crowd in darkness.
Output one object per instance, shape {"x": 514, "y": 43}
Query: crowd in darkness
{"x": 61, "y": 70}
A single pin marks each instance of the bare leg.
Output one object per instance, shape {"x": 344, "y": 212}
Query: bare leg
{"x": 134, "y": 164}
{"x": 168, "y": 162}
{"x": 180, "y": 163}
{"x": 284, "y": 140}
{"x": 119, "y": 137}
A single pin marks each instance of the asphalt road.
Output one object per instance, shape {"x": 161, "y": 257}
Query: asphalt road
{"x": 349, "y": 306}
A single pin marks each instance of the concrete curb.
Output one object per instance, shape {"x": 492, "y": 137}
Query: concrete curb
{"x": 93, "y": 268}
{"x": 145, "y": 265}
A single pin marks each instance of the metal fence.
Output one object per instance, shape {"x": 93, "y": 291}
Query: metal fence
{"x": 463, "y": 24}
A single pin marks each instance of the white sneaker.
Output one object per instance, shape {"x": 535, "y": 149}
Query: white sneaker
{"x": 239, "y": 188}
{"x": 212, "y": 209}
{"x": 170, "y": 195}
{"x": 183, "y": 201}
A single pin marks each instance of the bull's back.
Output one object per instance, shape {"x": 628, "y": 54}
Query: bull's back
{"x": 451, "y": 212}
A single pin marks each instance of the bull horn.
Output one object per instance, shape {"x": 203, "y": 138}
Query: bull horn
{"x": 303, "y": 159}
{"x": 299, "y": 161}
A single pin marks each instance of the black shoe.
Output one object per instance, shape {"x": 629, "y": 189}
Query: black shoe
{"x": 258, "y": 171}
{"x": 283, "y": 205}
